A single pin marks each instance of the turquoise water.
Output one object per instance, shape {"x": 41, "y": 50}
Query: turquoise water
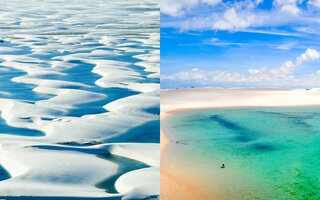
{"x": 124, "y": 165}
{"x": 269, "y": 153}
{"x": 145, "y": 133}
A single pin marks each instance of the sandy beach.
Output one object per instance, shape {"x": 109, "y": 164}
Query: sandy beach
{"x": 174, "y": 182}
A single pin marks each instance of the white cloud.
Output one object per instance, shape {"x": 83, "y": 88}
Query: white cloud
{"x": 286, "y": 46}
{"x": 246, "y": 4}
{"x": 315, "y": 3}
{"x": 177, "y": 7}
{"x": 268, "y": 75}
{"x": 310, "y": 54}
{"x": 289, "y": 6}
{"x": 238, "y": 15}
{"x": 242, "y": 15}
{"x": 173, "y": 9}
{"x": 224, "y": 76}
{"x": 211, "y": 2}
{"x": 195, "y": 69}
{"x": 217, "y": 42}
{"x": 231, "y": 20}
{"x": 281, "y": 76}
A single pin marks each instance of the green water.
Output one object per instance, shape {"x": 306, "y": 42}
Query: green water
{"x": 269, "y": 153}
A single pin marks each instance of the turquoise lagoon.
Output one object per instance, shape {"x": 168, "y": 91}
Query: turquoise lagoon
{"x": 269, "y": 152}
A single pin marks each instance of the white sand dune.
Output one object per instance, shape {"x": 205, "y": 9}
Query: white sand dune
{"x": 66, "y": 171}
{"x": 222, "y": 97}
{"x": 47, "y": 45}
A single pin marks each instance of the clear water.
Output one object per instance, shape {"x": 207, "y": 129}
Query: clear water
{"x": 124, "y": 165}
{"x": 145, "y": 133}
{"x": 3, "y": 174}
{"x": 269, "y": 153}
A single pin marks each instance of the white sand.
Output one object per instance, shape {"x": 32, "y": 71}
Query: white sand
{"x": 43, "y": 40}
{"x": 223, "y": 97}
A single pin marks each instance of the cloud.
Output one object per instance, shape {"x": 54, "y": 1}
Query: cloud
{"x": 288, "y": 6}
{"x": 280, "y": 76}
{"x": 315, "y": 3}
{"x": 286, "y": 70}
{"x": 241, "y": 15}
{"x": 231, "y": 20}
{"x": 231, "y": 16}
{"x": 217, "y": 42}
{"x": 310, "y": 54}
{"x": 178, "y": 7}
{"x": 286, "y": 46}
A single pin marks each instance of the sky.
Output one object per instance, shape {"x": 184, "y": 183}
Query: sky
{"x": 240, "y": 43}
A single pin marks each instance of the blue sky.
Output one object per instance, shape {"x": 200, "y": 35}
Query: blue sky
{"x": 244, "y": 43}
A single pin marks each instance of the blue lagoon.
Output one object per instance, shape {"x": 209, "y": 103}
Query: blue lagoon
{"x": 268, "y": 152}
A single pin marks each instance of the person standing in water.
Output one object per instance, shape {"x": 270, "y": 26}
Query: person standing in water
{"x": 222, "y": 166}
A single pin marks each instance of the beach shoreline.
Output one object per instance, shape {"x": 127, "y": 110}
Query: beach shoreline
{"x": 177, "y": 100}
{"x": 171, "y": 186}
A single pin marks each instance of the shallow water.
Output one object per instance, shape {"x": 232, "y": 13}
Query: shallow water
{"x": 124, "y": 165}
{"x": 269, "y": 153}
{"x": 145, "y": 133}
{"x": 3, "y": 174}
